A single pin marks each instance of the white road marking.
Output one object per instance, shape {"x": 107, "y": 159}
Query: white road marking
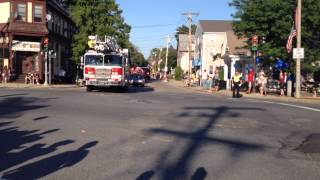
{"x": 289, "y": 105}
{"x": 301, "y": 107}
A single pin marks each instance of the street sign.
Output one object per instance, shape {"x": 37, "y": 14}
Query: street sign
{"x": 298, "y": 53}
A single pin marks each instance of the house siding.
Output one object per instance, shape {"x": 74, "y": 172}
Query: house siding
{"x": 5, "y": 12}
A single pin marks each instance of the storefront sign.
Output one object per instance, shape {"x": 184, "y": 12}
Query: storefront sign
{"x": 26, "y": 46}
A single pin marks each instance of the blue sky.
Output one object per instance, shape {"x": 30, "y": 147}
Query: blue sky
{"x": 152, "y": 20}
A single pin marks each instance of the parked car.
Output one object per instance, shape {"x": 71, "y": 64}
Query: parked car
{"x": 137, "y": 80}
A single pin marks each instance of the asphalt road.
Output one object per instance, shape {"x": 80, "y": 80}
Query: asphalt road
{"x": 156, "y": 132}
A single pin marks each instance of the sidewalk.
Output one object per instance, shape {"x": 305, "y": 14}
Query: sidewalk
{"x": 225, "y": 93}
{"x": 35, "y": 86}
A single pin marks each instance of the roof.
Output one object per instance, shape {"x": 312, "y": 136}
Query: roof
{"x": 183, "y": 42}
{"x": 235, "y": 44}
{"x": 215, "y": 25}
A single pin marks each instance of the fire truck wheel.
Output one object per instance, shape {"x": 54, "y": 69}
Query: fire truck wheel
{"x": 89, "y": 88}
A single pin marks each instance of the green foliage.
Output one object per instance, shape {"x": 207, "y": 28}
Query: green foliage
{"x": 308, "y": 69}
{"x": 178, "y": 75}
{"x": 272, "y": 19}
{"x": 137, "y": 58}
{"x": 157, "y": 54}
{"x": 99, "y": 17}
{"x": 185, "y": 30}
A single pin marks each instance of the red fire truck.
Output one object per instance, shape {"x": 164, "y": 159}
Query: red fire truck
{"x": 105, "y": 64}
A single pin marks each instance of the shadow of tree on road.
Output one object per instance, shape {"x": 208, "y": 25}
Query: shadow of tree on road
{"x": 13, "y": 107}
{"x": 197, "y": 138}
{"x": 51, "y": 164}
{"x": 18, "y": 146}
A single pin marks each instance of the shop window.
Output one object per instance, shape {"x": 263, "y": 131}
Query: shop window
{"x": 21, "y": 12}
{"x": 37, "y": 17}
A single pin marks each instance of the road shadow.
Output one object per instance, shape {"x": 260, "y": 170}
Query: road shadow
{"x": 131, "y": 90}
{"x": 197, "y": 138}
{"x": 18, "y": 146}
{"x": 145, "y": 89}
{"x": 14, "y": 150}
{"x": 13, "y": 107}
{"x": 50, "y": 164}
{"x": 40, "y": 118}
{"x": 146, "y": 175}
{"x": 13, "y": 95}
{"x": 200, "y": 174}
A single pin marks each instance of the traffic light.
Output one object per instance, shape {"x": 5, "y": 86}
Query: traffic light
{"x": 45, "y": 44}
{"x": 255, "y": 40}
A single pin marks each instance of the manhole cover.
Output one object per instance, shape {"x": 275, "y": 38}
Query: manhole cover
{"x": 311, "y": 144}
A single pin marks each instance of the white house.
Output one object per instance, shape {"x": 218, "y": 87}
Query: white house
{"x": 183, "y": 52}
{"x": 216, "y": 46}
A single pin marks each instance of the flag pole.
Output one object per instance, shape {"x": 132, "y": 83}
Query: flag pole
{"x": 298, "y": 63}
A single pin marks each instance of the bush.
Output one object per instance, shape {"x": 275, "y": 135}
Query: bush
{"x": 178, "y": 75}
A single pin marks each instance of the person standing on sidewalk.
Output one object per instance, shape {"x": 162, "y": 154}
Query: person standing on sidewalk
{"x": 262, "y": 81}
{"x": 1, "y": 70}
{"x": 236, "y": 80}
{"x": 5, "y": 74}
{"x": 216, "y": 79}
{"x": 250, "y": 81}
{"x": 282, "y": 80}
{"x": 204, "y": 78}
{"x": 198, "y": 76}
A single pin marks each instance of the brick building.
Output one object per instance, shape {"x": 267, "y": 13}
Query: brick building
{"x": 24, "y": 24}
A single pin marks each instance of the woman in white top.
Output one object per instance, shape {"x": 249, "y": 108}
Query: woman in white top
{"x": 262, "y": 82}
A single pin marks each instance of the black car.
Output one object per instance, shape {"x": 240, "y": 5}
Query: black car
{"x": 137, "y": 80}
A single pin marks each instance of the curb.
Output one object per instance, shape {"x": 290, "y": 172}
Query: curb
{"x": 28, "y": 86}
{"x": 224, "y": 93}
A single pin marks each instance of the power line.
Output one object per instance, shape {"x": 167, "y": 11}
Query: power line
{"x": 152, "y": 26}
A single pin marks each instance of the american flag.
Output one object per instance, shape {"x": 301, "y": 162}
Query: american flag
{"x": 293, "y": 32}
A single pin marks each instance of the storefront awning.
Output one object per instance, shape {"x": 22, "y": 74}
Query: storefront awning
{"x": 196, "y": 62}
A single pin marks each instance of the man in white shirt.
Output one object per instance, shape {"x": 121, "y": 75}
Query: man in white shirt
{"x": 204, "y": 78}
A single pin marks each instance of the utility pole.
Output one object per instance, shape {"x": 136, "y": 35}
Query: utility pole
{"x": 254, "y": 49}
{"x": 159, "y": 59}
{"x": 166, "y": 66}
{"x": 190, "y": 16}
{"x": 298, "y": 63}
{"x": 46, "y": 69}
{"x": 50, "y": 66}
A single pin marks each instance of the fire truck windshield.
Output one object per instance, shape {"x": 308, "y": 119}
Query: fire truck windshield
{"x": 96, "y": 60}
{"x": 112, "y": 60}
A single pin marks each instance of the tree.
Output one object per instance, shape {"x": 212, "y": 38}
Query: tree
{"x": 66, "y": 3}
{"x": 172, "y": 56}
{"x": 137, "y": 58}
{"x": 185, "y": 30}
{"x": 99, "y": 17}
{"x": 273, "y": 19}
{"x": 178, "y": 73}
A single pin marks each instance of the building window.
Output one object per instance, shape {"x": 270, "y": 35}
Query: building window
{"x": 212, "y": 38}
{"x": 37, "y": 17}
{"x": 21, "y": 12}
